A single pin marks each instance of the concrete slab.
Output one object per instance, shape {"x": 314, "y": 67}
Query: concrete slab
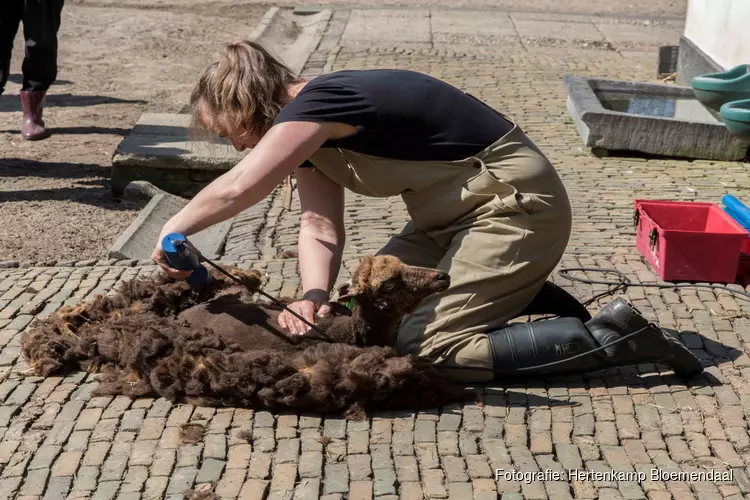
{"x": 178, "y": 152}
{"x": 626, "y": 34}
{"x": 468, "y": 41}
{"x": 472, "y": 28}
{"x": 140, "y": 238}
{"x": 375, "y": 27}
{"x": 545, "y": 16}
{"x": 558, "y": 29}
{"x": 392, "y": 12}
{"x": 158, "y": 150}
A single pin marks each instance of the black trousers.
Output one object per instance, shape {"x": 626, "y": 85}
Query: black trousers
{"x": 41, "y": 21}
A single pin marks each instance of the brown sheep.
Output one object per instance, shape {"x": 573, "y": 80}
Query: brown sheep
{"x": 215, "y": 346}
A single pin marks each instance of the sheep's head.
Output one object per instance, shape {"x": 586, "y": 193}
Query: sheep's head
{"x": 385, "y": 283}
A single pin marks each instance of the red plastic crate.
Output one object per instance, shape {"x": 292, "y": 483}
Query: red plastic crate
{"x": 689, "y": 241}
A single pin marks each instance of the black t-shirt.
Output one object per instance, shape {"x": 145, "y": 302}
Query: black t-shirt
{"x": 400, "y": 114}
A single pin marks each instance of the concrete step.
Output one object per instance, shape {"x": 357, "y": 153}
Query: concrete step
{"x": 159, "y": 150}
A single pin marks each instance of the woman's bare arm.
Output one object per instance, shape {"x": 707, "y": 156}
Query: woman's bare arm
{"x": 321, "y": 243}
{"x": 282, "y": 150}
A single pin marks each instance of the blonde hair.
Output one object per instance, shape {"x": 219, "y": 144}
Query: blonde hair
{"x": 246, "y": 88}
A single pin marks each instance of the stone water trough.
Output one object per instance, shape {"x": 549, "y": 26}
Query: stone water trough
{"x": 656, "y": 119}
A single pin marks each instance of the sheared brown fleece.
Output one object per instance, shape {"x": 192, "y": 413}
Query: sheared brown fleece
{"x": 216, "y": 346}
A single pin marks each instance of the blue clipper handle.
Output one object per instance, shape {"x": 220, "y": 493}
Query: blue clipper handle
{"x": 738, "y": 210}
{"x": 180, "y": 257}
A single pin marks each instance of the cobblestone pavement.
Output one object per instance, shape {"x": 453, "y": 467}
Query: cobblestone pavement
{"x": 59, "y": 442}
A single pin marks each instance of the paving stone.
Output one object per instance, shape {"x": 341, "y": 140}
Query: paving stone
{"x": 163, "y": 463}
{"x": 96, "y": 454}
{"x": 360, "y": 467}
{"x": 449, "y": 422}
{"x": 307, "y": 489}
{"x": 407, "y": 469}
{"x": 34, "y": 482}
{"x": 254, "y": 489}
{"x": 264, "y": 439}
{"x": 455, "y": 469}
{"x": 86, "y": 478}
{"x": 360, "y": 489}
{"x": 336, "y": 478}
{"x": 182, "y": 479}
{"x": 142, "y": 452}
{"x": 260, "y": 466}
{"x": 57, "y": 488}
{"x": 135, "y": 479}
{"x": 287, "y": 451}
{"x": 432, "y": 481}
{"x": 113, "y": 468}
{"x": 467, "y": 443}
{"x": 334, "y": 428}
{"x": 210, "y": 470}
{"x": 66, "y": 464}
{"x": 230, "y": 485}
{"x": 447, "y": 443}
{"x": 215, "y": 446}
{"x": 155, "y": 488}
{"x": 425, "y": 431}
{"x": 239, "y": 456}
{"x": 106, "y": 490}
{"x": 569, "y": 456}
{"x": 44, "y": 457}
{"x": 132, "y": 420}
{"x": 10, "y": 484}
{"x": 478, "y": 467}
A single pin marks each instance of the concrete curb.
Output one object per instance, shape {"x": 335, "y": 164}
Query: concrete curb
{"x": 140, "y": 190}
{"x": 138, "y": 240}
{"x": 264, "y": 23}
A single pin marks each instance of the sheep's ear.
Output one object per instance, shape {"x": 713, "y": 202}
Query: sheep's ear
{"x": 346, "y": 292}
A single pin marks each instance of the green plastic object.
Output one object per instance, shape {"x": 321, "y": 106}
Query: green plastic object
{"x": 716, "y": 89}
{"x": 736, "y": 116}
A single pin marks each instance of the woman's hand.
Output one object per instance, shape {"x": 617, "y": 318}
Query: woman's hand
{"x": 160, "y": 259}
{"x": 311, "y": 304}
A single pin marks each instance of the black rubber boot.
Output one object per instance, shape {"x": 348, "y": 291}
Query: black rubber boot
{"x": 561, "y": 346}
{"x": 555, "y": 300}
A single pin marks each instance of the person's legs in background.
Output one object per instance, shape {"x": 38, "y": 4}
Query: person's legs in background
{"x": 9, "y": 21}
{"x": 41, "y": 22}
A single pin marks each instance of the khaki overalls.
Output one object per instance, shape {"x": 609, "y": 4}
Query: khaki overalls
{"x": 497, "y": 223}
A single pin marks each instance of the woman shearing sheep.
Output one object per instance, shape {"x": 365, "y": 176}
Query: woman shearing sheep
{"x": 486, "y": 205}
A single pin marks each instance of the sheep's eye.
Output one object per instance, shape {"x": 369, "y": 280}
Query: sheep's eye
{"x": 387, "y": 286}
